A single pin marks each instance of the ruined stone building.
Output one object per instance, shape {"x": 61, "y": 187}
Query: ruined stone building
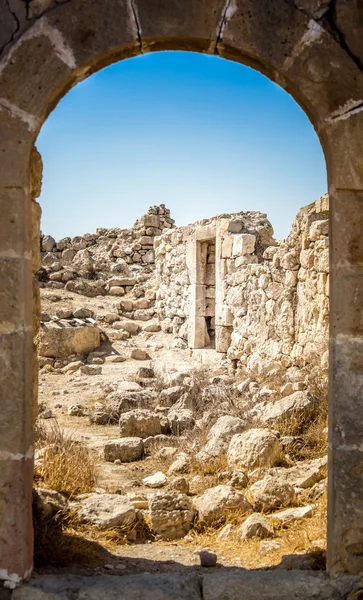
{"x": 314, "y": 50}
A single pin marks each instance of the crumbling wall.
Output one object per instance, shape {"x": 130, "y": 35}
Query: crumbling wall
{"x": 271, "y": 298}
{"x": 281, "y": 304}
{"x": 109, "y": 261}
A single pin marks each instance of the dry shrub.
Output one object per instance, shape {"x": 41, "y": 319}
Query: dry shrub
{"x": 67, "y": 465}
{"x": 310, "y": 427}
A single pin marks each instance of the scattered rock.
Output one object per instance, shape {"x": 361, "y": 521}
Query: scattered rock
{"x": 171, "y": 514}
{"x": 106, "y": 510}
{"x": 293, "y": 514}
{"x": 138, "y": 354}
{"x": 76, "y": 410}
{"x": 271, "y": 493}
{"x": 215, "y": 502}
{"x": 127, "y": 449}
{"x": 220, "y": 435}
{"x": 256, "y": 525}
{"x": 139, "y": 423}
{"x": 157, "y": 480}
{"x": 254, "y": 448}
{"x": 207, "y": 558}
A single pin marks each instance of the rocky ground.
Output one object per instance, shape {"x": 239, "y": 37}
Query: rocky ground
{"x": 189, "y": 470}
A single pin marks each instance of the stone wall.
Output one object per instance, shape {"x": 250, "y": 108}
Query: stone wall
{"x": 109, "y": 261}
{"x": 268, "y": 301}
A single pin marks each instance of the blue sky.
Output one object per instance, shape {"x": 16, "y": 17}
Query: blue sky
{"x": 198, "y": 133}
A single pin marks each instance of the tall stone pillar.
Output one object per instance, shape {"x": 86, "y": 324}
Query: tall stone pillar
{"x": 345, "y": 497}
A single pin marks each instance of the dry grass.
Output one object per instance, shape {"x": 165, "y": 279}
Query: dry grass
{"x": 306, "y": 536}
{"x": 311, "y": 429}
{"x": 67, "y": 465}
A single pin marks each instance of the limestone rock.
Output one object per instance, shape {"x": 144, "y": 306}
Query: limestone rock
{"x": 126, "y": 449}
{"x": 293, "y": 514}
{"x": 256, "y": 525}
{"x": 47, "y": 503}
{"x": 215, "y": 502}
{"x": 59, "y": 342}
{"x": 207, "y": 558}
{"x": 299, "y": 403}
{"x": 155, "y": 481}
{"x": 139, "y": 423}
{"x": 171, "y": 514}
{"x": 220, "y": 435}
{"x": 180, "y": 465}
{"x": 106, "y": 510}
{"x": 270, "y": 493}
{"x": 180, "y": 420}
{"x": 253, "y": 448}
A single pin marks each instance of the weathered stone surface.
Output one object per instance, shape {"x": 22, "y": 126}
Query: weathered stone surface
{"x": 220, "y": 435}
{"x": 293, "y": 514}
{"x": 59, "y": 342}
{"x": 299, "y": 403}
{"x": 146, "y": 586}
{"x": 106, "y": 510}
{"x": 273, "y": 585}
{"x": 157, "y": 480}
{"x": 126, "y": 449}
{"x": 254, "y": 448}
{"x": 216, "y": 502}
{"x": 140, "y": 423}
{"x": 171, "y": 514}
{"x": 270, "y": 493}
{"x": 256, "y": 525}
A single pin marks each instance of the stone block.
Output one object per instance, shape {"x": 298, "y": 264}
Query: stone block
{"x": 227, "y": 245}
{"x": 195, "y": 24}
{"x": 57, "y": 342}
{"x": 16, "y": 392}
{"x": 223, "y": 338}
{"x": 243, "y": 243}
{"x": 197, "y": 333}
{"x": 15, "y": 222}
{"x": 15, "y": 140}
{"x": 16, "y": 540}
{"x": 92, "y": 29}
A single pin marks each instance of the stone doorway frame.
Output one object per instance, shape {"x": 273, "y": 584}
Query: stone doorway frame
{"x": 59, "y": 43}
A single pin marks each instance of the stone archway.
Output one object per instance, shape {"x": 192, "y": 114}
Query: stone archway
{"x": 50, "y": 45}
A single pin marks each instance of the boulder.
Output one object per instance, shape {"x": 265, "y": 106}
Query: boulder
{"x": 157, "y": 480}
{"x": 47, "y": 503}
{"x": 302, "y": 475}
{"x": 91, "y": 289}
{"x": 127, "y": 449}
{"x": 60, "y": 342}
{"x": 118, "y": 403}
{"x": 256, "y": 525}
{"x": 181, "y": 420}
{"x": 254, "y": 448}
{"x": 215, "y": 503}
{"x": 126, "y": 325}
{"x": 293, "y": 514}
{"x": 140, "y": 423}
{"x": 48, "y": 243}
{"x": 180, "y": 465}
{"x": 171, "y": 514}
{"x": 106, "y": 510}
{"x": 299, "y": 403}
{"x": 270, "y": 493}
{"x": 171, "y": 395}
{"x": 219, "y": 436}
